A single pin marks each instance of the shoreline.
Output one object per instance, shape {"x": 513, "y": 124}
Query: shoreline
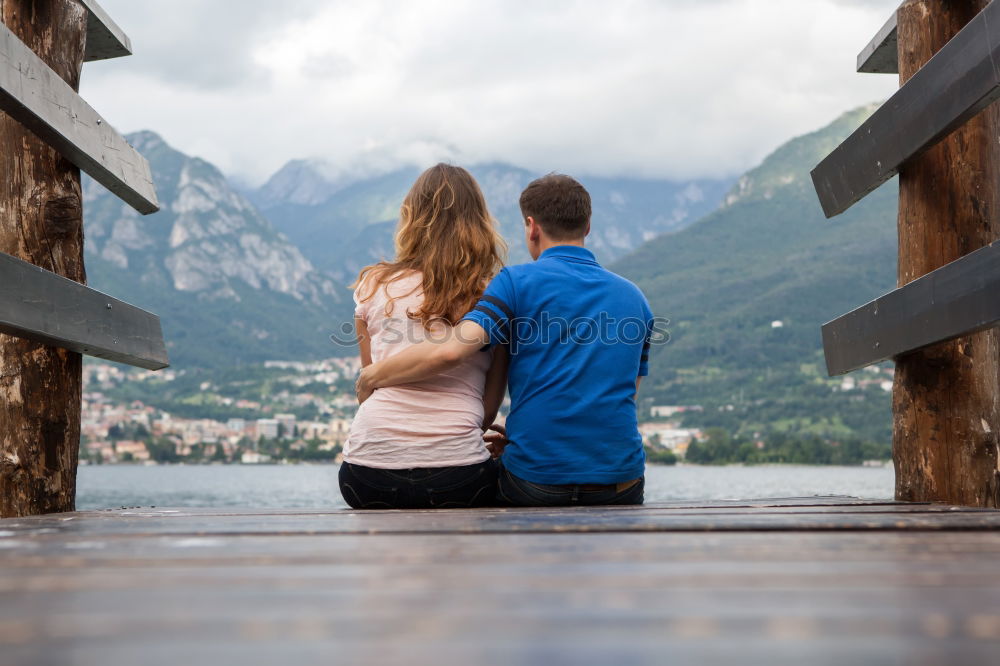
{"x": 873, "y": 464}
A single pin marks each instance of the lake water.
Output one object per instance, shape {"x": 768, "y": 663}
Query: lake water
{"x": 315, "y": 486}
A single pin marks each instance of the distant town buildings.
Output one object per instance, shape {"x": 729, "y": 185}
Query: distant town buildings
{"x": 112, "y": 432}
{"x": 254, "y": 458}
{"x": 268, "y": 428}
{"x": 666, "y": 411}
{"x": 277, "y": 422}
{"x": 669, "y": 436}
{"x": 661, "y": 432}
{"x": 871, "y": 377}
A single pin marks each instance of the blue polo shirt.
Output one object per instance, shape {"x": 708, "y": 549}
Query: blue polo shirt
{"x": 578, "y": 336}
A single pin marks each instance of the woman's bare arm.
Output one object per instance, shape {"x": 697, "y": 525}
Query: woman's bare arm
{"x": 364, "y": 341}
{"x": 420, "y": 361}
{"x": 496, "y": 385}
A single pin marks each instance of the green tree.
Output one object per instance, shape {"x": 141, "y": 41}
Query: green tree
{"x": 660, "y": 456}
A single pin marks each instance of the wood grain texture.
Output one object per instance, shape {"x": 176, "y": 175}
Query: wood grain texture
{"x": 320, "y": 587}
{"x": 47, "y": 308}
{"x": 777, "y": 515}
{"x": 945, "y": 398}
{"x": 41, "y": 221}
{"x": 37, "y": 97}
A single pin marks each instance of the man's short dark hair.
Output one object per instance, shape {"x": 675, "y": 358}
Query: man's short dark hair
{"x": 559, "y": 204}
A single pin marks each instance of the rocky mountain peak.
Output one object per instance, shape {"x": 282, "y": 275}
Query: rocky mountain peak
{"x": 301, "y": 182}
{"x": 207, "y": 238}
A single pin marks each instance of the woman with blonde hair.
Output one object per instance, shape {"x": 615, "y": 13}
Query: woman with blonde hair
{"x": 421, "y": 445}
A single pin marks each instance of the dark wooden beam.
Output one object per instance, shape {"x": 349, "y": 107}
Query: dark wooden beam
{"x": 960, "y": 298}
{"x": 35, "y": 96}
{"x": 50, "y": 309}
{"x": 104, "y": 38}
{"x": 880, "y": 55}
{"x": 946, "y": 415}
{"x": 957, "y": 83}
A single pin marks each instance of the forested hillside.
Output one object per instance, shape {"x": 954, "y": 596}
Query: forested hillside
{"x": 768, "y": 255}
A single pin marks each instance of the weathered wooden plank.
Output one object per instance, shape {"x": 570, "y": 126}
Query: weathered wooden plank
{"x": 816, "y": 502}
{"x": 955, "y": 300}
{"x": 590, "y": 605}
{"x": 53, "y": 310}
{"x": 35, "y": 96}
{"x": 956, "y": 84}
{"x": 583, "y": 598}
{"x": 104, "y": 38}
{"x": 95, "y": 549}
{"x": 880, "y": 56}
{"x": 169, "y": 522}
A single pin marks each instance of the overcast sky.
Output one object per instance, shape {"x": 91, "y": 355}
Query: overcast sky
{"x": 668, "y": 88}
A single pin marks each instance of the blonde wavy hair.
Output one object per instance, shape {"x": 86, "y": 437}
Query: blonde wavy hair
{"x": 446, "y": 233}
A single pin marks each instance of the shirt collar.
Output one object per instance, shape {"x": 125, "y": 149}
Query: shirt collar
{"x": 571, "y": 252}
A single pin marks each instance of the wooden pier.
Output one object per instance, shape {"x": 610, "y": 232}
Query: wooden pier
{"x": 805, "y": 581}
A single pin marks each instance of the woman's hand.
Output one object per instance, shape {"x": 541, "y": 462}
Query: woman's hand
{"x": 362, "y": 386}
{"x": 495, "y": 444}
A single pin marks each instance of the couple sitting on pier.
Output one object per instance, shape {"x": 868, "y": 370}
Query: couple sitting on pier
{"x": 443, "y": 331}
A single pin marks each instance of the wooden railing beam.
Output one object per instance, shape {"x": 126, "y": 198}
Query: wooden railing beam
{"x": 35, "y": 96}
{"x": 879, "y": 55}
{"x": 955, "y": 300}
{"x": 956, "y": 84}
{"x": 52, "y": 310}
{"x": 104, "y": 38}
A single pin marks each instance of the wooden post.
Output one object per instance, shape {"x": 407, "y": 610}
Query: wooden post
{"x": 945, "y": 398}
{"x": 41, "y": 221}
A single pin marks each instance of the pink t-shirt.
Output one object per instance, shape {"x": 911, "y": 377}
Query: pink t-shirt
{"x": 433, "y": 423}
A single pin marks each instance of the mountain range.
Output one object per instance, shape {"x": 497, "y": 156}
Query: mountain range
{"x": 748, "y": 286}
{"x": 342, "y": 225}
{"x": 746, "y": 271}
{"x": 250, "y": 275}
{"x": 228, "y": 287}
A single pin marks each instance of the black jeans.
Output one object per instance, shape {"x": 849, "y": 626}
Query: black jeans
{"x": 518, "y": 492}
{"x": 423, "y": 488}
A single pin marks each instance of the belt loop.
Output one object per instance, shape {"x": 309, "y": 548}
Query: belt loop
{"x": 576, "y": 494}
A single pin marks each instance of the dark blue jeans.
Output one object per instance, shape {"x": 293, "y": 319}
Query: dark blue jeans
{"x": 518, "y": 492}
{"x": 425, "y": 488}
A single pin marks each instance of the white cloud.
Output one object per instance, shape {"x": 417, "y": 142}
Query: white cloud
{"x": 672, "y": 88}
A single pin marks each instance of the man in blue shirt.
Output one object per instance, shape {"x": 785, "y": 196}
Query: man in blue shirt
{"x": 578, "y": 337}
